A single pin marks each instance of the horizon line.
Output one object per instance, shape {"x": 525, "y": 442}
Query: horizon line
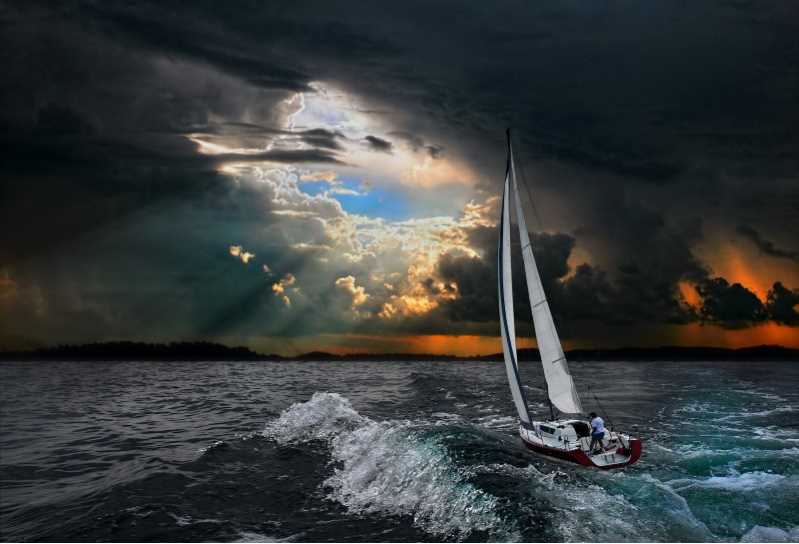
{"x": 210, "y": 350}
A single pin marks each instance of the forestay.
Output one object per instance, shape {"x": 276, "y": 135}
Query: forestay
{"x": 560, "y": 385}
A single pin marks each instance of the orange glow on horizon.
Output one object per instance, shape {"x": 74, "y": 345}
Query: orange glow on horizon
{"x": 690, "y": 335}
{"x": 696, "y": 334}
{"x": 434, "y": 344}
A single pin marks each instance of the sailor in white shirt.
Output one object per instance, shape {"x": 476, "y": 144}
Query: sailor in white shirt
{"x": 597, "y": 432}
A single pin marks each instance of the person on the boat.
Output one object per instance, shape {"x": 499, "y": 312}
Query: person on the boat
{"x": 597, "y": 432}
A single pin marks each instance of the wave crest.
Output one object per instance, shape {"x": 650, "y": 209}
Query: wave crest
{"x": 390, "y": 467}
{"x": 321, "y": 418}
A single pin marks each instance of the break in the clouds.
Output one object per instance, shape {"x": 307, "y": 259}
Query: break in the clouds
{"x": 302, "y": 175}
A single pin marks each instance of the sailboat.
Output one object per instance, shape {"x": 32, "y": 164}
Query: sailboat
{"x": 565, "y": 437}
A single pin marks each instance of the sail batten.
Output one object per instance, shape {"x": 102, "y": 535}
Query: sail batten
{"x": 560, "y": 385}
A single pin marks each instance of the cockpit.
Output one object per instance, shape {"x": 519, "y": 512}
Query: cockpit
{"x": 564, "y": 431}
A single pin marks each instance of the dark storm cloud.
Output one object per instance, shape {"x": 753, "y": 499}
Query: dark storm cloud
{"x": 435, "y": 151}
{"x": 589, "y": 295}
{"x": 781, "y": 304}
{"x": 638, "y": 291}
{"x": 254, "y": 136}
{"x": 472, "y": 275}
{"x": 416, "y": 143}
{"x": 378, "y": 144}
{"x": 182, "y": 33}
{"x": 766, "y": 246}
{"x": 290, "y": 156}
{"x": 320, "y": 137}
{"x": 732, "y": 306}
{"x": 411, "y": 140}
{"x": 585, "y": 295}
{"x": 640, "y": 124}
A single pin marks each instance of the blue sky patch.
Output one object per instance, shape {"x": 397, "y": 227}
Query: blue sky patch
{"x": 374, "y": 202}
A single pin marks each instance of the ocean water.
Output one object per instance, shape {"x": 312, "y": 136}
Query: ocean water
{"x": 388, "y": 451}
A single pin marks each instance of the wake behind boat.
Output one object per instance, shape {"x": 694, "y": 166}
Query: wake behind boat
{"x": 563, "y": 438}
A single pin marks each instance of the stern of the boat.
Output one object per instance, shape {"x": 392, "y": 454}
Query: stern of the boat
{"x": 619, "y": 457}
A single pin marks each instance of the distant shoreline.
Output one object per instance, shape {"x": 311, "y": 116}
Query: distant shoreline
{"x": 208, "y": 351}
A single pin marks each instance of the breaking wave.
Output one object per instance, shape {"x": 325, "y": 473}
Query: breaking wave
{"x": 403, "y": 468}
{"x": 390, "y": 467}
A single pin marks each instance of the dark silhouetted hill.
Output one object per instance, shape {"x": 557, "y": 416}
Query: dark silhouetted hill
{"x": 140, "y": 351}
{"x": 208, "y": 351}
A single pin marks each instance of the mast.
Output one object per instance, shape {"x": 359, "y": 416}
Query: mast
{"x": 505, "y": 292}
{"x": 560, "y": 385}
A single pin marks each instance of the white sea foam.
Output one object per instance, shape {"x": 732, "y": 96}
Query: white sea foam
{"x": 759, "y": 533}
{"x": 751, "y": 389}
{"x": 775, "y": 433}
{"x": 696, "y": 407}
{"x": 746, "y": 481}
{"x": 672, "y": 512}
{"x": 592, "y": 512}
{"x": 321, "y": 418}
{"x": 761, "y": 413}
{"x": 390, "y": 467}
{"x": 498, "y": 422}
{"x": 445, "y": 417}
{"x": 249, "y": 536}
{"x": 216, "y": 444}
{"x": 184, "y": 520}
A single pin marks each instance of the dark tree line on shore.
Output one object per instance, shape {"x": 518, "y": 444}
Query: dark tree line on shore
{"x": 209, "y": 351}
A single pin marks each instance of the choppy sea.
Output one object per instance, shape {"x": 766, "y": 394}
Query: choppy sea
{"x": 388, "y": 451}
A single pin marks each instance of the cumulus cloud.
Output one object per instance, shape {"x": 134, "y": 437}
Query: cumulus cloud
{"x": 240, "y": 253}
{"x": 358, "y": 293}
{"x": 323, "y": 175}
{"x": 279, "y": 288}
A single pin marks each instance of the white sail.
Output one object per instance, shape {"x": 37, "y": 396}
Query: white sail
{"x": 506, "y": 316}
{"x": 560, "y": 385}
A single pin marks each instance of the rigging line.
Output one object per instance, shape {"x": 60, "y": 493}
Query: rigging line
{"x": 602, "y": 408}
{"x": 529, "y": 194}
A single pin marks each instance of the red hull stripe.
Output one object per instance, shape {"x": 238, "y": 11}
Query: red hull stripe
{"x": 581, "y": 458}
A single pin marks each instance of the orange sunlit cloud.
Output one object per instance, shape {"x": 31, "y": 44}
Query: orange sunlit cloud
{"x": 689, "y": 294}
{"x": 745, "y": 265}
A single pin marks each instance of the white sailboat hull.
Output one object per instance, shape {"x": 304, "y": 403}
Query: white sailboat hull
{"x": 618, "y": 450}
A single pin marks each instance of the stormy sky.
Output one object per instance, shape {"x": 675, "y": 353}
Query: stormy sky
{"x": 325, "y": 175}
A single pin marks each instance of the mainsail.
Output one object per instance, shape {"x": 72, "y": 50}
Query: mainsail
{"x": 560, "y": 385}
{"x": 506, "y": 316}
